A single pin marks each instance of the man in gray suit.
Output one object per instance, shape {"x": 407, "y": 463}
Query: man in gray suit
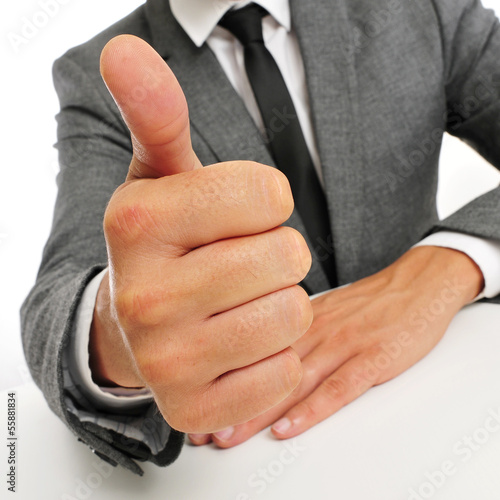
{"x": 188, "y": 293}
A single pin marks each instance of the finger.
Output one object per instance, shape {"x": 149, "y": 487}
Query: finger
{"x": 243, "y": 394}
{"x": 326, "y": 357}
{"x": 313, "y": 373}
{"x": 227, "y": 273}
{"x": 325, "y": 325}
{"x": 242, "y": 269}
{"x": 235, "y": 435}
{"x": 229, "y": 341}
{"x": 254, "y": 331}
{"x": 153, "y": 106}
{"x": 195, "y": 208}
{"x": 200, "y": 439}
{"x": 256, "y": 388}
{"x": 346, "y": 384}
{"x": 319, "y": 374}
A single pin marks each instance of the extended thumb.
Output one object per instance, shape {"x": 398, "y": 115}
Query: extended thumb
{"x": 153, "y": 106}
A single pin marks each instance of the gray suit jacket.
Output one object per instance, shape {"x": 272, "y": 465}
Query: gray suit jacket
{"x": 386, "y": 78}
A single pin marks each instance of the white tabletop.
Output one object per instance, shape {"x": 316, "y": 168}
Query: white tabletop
{"x": 433, "y": 432}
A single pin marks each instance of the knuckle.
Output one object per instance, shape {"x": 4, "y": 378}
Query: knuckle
{"x": 303, "y": 308}
{"x": 279, "y": 319}
{"x": 271, "y": 192}
{"x": 292, "y": 369}
{"x": 163, "y": 368}
{"x": 289, "y": 311}
{"x": 295, "y": 253}
{"x": 139, "y": 307}
{"x": 160, "y": 373}
{"x": 335, "y": 389}
{"x": 127, "y": 218}
{"x": 350, "y": 334}
{"x": 247, "y": 324}
{"x": 311, "y": 372}
{"x": 278, "y": 193}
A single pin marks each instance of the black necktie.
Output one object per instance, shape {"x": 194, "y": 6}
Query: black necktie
{"x": 284, "y": 135}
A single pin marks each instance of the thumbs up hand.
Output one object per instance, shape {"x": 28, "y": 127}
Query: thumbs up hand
{"x": 200, "y": 302}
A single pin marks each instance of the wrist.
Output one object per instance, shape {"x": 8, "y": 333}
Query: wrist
{"x": 443, "y": 268}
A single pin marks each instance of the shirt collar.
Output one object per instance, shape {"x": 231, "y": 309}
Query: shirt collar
{"x": 198, "y": 18}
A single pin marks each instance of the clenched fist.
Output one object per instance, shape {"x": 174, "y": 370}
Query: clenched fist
{"x": 200, "y": 302}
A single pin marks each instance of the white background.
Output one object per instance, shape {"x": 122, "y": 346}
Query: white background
{"x": 29, "y": 162}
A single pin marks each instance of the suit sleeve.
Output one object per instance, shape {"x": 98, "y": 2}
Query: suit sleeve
{"x": 470, "y": 36}
{"x": 94, "y": 154}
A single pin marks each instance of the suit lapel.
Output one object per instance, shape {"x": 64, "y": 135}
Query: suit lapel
{"x": 322, "y": 28}
{"x": 216, "y": 111}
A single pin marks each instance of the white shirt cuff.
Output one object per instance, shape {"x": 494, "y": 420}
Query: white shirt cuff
{"x": 111, "y": 398}
{"x": 484, "y": 252}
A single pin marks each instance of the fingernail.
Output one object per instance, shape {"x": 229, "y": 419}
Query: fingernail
{"x": 197, "y": 438}
{"x": 225, "y": 434}
{"x": 282, "y": 425}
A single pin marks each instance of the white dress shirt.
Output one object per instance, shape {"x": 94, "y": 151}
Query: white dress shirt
{"x": 199, "y": 19}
